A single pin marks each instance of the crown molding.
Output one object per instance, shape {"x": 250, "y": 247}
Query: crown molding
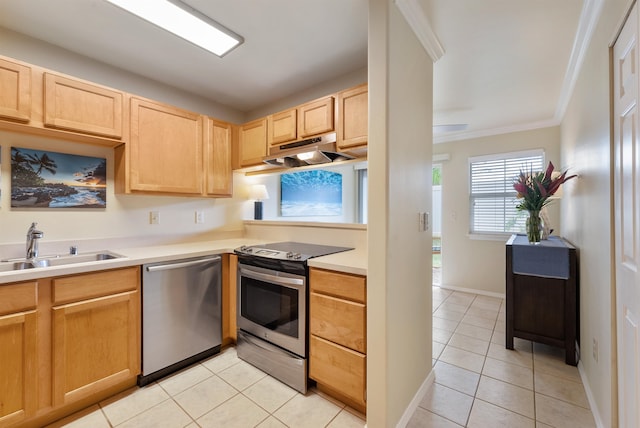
{"x": 416, "y": 17}
{"x": 591, "y": 11}
{"x": 459, "y": 136}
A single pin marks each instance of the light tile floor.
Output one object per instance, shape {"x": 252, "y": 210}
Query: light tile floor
{"x": 222, "y": 391}
{"x": 478, "y": 383}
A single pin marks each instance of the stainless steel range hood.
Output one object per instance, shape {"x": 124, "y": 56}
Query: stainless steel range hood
{"x": 312, "y": 151}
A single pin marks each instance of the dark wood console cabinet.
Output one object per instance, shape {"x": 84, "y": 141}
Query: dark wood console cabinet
{"x": 542, "y": 293}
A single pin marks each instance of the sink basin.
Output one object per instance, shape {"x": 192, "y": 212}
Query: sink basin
{"x": 21, "y": 264}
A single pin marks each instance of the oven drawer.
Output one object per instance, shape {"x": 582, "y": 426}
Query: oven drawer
{"x": 338, "y": 367}
{"x": 339, "y": 321}
{"x": 338, "y": 284}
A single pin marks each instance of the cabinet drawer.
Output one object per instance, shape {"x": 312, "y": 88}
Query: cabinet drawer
{"x": 338, "y": 367}
{"x": 18, "y": 297}
{"x": 90, "y": 285}
{"x": 344, "y": 285}
{"x": 339, "y": 321}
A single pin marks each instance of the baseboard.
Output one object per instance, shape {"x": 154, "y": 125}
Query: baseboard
{"x": 413, "y": 405}
{"x": 472, "y": 291}
{"x": 590, "y": 398}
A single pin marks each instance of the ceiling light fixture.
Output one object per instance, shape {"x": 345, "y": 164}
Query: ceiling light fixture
{"x": 185, "y": 22}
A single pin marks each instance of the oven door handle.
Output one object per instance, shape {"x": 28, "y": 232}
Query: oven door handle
{"x": 280, "y": 280}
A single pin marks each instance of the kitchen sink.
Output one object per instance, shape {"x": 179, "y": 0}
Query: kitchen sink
{"x": 56, "y": 260}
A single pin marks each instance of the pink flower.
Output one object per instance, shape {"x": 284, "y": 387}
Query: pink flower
{"x": 535, "y": 188}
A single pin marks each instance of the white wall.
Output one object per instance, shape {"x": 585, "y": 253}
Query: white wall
{"x": 399, "y": 262}
{"x": 586, "y": 211}
{"x": 475, "y": 264}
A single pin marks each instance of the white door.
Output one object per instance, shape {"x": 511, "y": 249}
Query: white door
{"x": 627, "y": 219}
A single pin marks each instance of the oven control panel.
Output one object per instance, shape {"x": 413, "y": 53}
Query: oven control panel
{"x": 270, "y": 253}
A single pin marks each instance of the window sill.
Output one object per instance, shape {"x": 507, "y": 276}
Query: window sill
{"x": 504, "y": 237}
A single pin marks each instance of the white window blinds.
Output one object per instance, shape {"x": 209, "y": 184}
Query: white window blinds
{"x": 492, "y": 197}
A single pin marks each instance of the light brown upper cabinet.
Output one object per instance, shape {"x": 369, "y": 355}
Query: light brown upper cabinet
{"x": 282, "y": 127}
{"x": 74, "y": 105}
{"x": 165, "y": 149}
{"x": 315, "y": 117}
{"x": 15, "y": 91}
{"x": 307, "y": 120}
{"x": 253, "y": 142}
{"x": 353, "y": 118}
{"x": 217, "y": 152}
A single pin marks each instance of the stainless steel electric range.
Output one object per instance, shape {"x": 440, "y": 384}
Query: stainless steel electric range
{"x": 272, "y": 311}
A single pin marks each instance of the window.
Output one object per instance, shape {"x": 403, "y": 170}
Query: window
{"x": 492, "y": 199}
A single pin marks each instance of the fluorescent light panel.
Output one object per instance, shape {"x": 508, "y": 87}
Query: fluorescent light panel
{"x": 199, "y": 30}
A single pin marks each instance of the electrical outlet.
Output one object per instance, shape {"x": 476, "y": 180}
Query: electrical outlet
{"x": 595, "y": 349}
{"x": 154, "y": 217}
{"x": 199, "y": 217}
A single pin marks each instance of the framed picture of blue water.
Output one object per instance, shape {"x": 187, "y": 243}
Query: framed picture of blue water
{"x": 310, "y": 193}
{"x": 42, "y": 179}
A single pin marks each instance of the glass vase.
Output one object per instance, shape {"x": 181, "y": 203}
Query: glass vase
{"x": 534, "y": 227}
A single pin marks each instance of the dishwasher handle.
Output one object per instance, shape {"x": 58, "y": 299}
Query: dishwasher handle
{"x": 179, "y": 265}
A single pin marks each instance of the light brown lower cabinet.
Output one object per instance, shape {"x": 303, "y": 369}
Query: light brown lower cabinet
{"x": 66, "y": 343}
{"x": 18, "y": 379}
{"x": 338, "y": 333}
{"x": 94, "y": 345}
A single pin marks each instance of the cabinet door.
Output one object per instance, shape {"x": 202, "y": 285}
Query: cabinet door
{"x": 339, "y": 368}
{"x": 165, "y": 149}
{"x": 282, "y": 127}
{"x": 218, "y": 159}
{"x": 78, "y": 106}
{"x": 253, "y": 142}
{"x": 315, "y": 117}
{"x": 18, "y": 367}
{"x": 15, "y": 91}
{"x": 353, "y": 117}
{"x": 95, "y": 345}
{"x": 339, "y": 321}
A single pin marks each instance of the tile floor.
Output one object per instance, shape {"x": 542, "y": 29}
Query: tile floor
{"x": 477, "y": 384}
{"x": 222, "y": 391}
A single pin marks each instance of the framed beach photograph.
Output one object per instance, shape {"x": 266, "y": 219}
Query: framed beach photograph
{"x": 43, "y": 179}
{"x": 311, "y": 193}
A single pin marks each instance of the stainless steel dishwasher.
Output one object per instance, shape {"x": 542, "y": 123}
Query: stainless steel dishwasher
{"x": 181, "y": 314}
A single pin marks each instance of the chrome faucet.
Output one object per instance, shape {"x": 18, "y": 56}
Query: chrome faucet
{"x": 33, "y": 235}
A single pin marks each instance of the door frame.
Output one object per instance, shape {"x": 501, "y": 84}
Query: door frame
{"x": 615, "y": 399}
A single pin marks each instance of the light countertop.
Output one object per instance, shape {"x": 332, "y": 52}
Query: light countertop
{"x": 353, "y": 261}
